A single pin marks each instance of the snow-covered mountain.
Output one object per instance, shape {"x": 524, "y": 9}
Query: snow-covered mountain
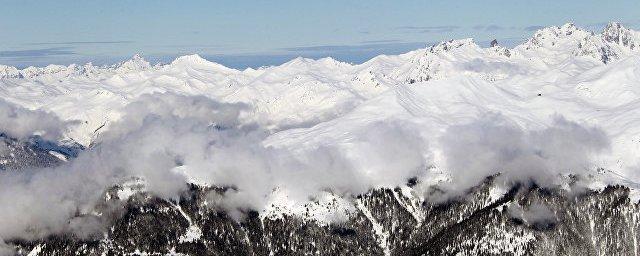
{"x": 372, "y": 158}
{"x": 579, "y": 74}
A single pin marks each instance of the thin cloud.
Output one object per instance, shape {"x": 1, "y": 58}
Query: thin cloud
{"x": 491, "y": 27}
{"x": 428, "y": 29}
{"x": 196, "y": 47}
{"x": 533, "y": 28}
{"x": 45, "y": 52}
{"x": 365, "y": 46}
{"x": 380, "y": 41}
{"x": 494, "y": 28}
{"x": 82, "y": 43}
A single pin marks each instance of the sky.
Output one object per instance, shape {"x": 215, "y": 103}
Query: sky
{"x": 243, "y": 34}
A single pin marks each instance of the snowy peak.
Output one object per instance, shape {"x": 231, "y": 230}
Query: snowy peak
{"x": 551, "y": 45}
{"x": 494, "y": 46}
{"x": 552, "y": 37}
{"x": 616, "y": 33}
{"x": 597, "y": 48}
{"x": 191, "y": 59}
{"x": 32, "y": 72}
{"x": 613, "y": 43}
{"x": 452, "y": 44}
{"x": 301, "y": 63}
{"x": 136, "y": 63}
{"x": 196, "y": 61}
{"x": 331, "y": 62}
{"x": 447, "y": 59}
{"x": 297, "y": 62}
{"x": 9, "y": 72}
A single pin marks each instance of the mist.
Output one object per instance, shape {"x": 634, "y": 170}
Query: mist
{"x": 168, "y": 140}
{"x": 494, "y": 144}
{"x": 21, "y": 123}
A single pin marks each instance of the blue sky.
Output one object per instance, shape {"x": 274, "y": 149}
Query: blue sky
{"x": 254, "y": 33}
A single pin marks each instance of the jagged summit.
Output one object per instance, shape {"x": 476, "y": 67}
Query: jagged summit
{"x": 494, "y": 43}
{"x": 452, "y": 44}
{"x": 136, "y": 63}
{"x": 554, "y": 37}
{"x": 9, "y": 72}
{"x": 306, "y": 63}
{"x": 614, "y": 32}
{"x": 613, "y": 43}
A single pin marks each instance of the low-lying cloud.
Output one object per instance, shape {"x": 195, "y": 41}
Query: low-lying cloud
{"x": 493, "y": 145}
{"x": 536, "y": 214}
{"x": 168, "y": 139}
{"x": 82, "y": 43}
{"x": 21, "y": 123}
{"x": 491, "y": 27}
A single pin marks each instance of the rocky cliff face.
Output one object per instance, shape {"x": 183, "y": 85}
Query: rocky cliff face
{"x": 525, "y": 220}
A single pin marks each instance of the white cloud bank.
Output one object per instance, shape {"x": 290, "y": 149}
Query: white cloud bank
{"x": 493, "y": 145}
{"x": 163, "y": 138}
{"x": 162, "y": 133}
{"x": 19, "y": 122}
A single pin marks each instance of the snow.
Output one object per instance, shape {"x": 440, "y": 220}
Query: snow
{"x": 35, "y": 251}
{"x": 58, "y": 155}
{"x": 326, "y": 209}
{"x": 498, "y": 242}
{"x": 129, "y": 188}
{"x": 381, "y": 235}
{"x": 410, "y": 202}
{"x": 495, "y": 193}
{"x": 193, "y": 232}
{"x": 590, "y": 78}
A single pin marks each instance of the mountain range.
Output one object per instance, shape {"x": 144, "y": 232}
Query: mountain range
{"x": 453, "y": 149}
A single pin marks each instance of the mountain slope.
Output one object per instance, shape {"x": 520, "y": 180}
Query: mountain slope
{"x": 524, "y": 220}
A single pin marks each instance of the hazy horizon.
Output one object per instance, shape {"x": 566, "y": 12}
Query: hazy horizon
{"x": 241, "y": 34}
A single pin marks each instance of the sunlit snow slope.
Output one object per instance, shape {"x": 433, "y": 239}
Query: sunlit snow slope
{"x": 590, "y": 78}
